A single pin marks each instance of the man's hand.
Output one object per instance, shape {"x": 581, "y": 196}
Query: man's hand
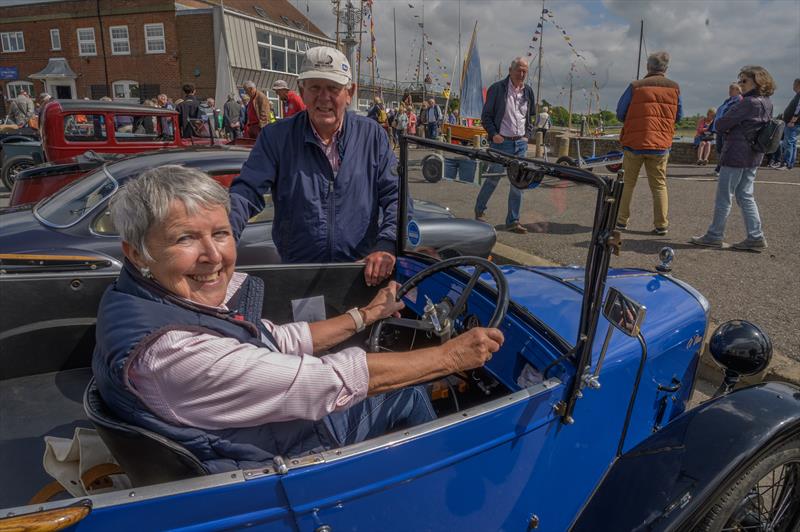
{"x": 384, "y": 304}
{"x": 498, "y": 139}
{"x": 379, "y": 264}
{"x": 472, "y": 349}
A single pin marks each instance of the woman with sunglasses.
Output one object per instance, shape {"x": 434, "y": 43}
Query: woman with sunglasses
{"x": 739, "y": 161}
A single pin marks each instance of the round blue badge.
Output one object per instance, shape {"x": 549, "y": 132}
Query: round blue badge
{"x": 413, "y": 234}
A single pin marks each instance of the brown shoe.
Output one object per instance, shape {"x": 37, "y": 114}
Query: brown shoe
{"x": 481, "y": 218}
{"x": 517, "y": 227}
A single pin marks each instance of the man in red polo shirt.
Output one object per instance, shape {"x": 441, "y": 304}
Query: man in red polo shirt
{"x": 291, "y": 102}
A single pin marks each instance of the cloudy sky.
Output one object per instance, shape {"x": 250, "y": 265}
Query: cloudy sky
{"x": 709, "y": 40}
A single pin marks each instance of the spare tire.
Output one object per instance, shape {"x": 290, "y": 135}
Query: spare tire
{"x": 433, "y": 168}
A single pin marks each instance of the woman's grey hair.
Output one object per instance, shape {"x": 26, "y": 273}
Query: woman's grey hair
{"x": 517, "y": 61}
{"x": 658, "y": 62}
{"x": 248, "y": 84}
{"x": 144, "y": 202}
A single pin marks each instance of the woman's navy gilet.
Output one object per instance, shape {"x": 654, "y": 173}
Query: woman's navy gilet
{"x": 133, "y": 313}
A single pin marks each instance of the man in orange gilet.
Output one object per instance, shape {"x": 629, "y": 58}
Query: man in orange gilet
{"x": 649, "y": 109}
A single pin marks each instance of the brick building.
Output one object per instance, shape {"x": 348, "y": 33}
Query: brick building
{"x": 135, "y": 49}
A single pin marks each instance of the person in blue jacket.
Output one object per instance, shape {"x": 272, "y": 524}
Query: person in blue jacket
{"x": 332, "y": 175}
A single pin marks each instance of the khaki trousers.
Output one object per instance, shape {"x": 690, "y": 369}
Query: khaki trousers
{"x": 656, "y": 168}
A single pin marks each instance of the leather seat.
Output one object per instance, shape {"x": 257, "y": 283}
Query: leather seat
{"x": 146, "y": 457}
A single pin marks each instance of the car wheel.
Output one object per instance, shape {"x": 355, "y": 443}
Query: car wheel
{"x": 566, "y": 161}
{"x": 765, "y": 497}
{"x": 14, "y": 166}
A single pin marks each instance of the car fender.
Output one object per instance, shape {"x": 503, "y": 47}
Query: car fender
{"x": 671, "y": 479}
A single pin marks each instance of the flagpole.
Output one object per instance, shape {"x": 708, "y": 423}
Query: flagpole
{"x": 396, "y": 85}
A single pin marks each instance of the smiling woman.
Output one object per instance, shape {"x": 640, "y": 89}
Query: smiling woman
{"x": 182, "y": 348}
{"x": 182, "y": 237}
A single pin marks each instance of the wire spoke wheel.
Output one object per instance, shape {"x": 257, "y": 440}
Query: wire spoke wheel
{"x": 766, "y": 498}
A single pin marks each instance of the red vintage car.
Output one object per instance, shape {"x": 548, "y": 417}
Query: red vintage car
{"x": 71, "y": 128}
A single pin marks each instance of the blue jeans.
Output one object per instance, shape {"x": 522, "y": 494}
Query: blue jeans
{"x": 517, "y": 147}
{"x": 380, "y": 414}
{"x": 736, "y": 182}
{"x": 432, "y": 130}
{"x": 789, "y": 145}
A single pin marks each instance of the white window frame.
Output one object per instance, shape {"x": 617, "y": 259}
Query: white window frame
{"x": 19, "y": 41}
{"x": 86, "y": 41}
{"x": 297, "y": 51}
{"x": 55, "y": 39}
{"x": 120, "y": 40}
{"x": 148, "y": 39}
{"x": 126, "y": 83}
{"x": 13, "y": 88}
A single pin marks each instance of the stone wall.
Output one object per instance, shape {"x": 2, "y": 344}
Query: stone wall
{"x": 681, "y": 152}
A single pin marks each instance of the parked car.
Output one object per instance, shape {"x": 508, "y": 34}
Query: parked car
{"x": 71, "y": 127}
{"x": 579, "y": 422}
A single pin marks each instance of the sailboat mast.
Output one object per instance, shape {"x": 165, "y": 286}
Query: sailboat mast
{"x": 569, "y": 119}
{"x": 539, "y": 71}
{"x": 459, "y": 48}
{"x": 641, "y": 38}
{"x": 422, "y": 52}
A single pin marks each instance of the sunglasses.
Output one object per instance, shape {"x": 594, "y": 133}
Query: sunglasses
{"x": 742, "y": 81}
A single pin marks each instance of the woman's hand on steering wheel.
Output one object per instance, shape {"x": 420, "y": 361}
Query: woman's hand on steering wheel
{"x": 473, "y": 348}
{"x": 384, "y": 304}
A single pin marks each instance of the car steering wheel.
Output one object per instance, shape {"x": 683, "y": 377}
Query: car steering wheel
{"x": 432, "y": 322}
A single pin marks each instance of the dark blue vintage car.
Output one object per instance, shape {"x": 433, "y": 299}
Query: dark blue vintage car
{"x": 580, "y": 422}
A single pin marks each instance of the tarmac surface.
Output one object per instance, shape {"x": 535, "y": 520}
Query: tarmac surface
{"x": 759, "y": 287}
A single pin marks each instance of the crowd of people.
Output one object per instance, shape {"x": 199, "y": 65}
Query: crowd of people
{"x": 332, "y": 176}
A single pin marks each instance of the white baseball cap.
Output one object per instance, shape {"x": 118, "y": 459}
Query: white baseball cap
{"x": 326, "y": 63}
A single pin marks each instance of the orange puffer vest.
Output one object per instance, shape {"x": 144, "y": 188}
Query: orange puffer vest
{"x": 650, "y": 120}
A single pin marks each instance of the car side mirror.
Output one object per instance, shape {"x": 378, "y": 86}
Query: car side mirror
{"x": 624, "y": 313}
{"x": 741, "y": 348}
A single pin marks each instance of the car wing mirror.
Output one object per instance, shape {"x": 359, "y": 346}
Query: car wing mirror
{"x": 623, "y": 313}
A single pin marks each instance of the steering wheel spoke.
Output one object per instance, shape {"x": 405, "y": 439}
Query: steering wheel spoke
{"x": 462, "y": 299}
{"x": 481, "y": 266}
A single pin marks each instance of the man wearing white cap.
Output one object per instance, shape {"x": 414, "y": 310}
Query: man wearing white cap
{"x": 291, "y": 102}
{"x": 332, "y": 176}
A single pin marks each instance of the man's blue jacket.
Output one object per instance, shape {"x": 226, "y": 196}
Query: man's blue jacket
{"x": 320, "y": 217}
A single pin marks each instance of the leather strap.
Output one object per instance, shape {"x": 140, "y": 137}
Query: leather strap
{"x": 94, "y": 478}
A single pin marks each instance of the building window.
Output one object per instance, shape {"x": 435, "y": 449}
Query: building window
{"x": 279, "y": 53}
{"x": 120, "y": 45}
{"x": 154, "y": 38}
{"x": 14, "y": 88}
{"x": 125, "y": 90}
{"x": 86, "y": 42}
{"x": 55, "y": 39}
{"x": 13, "y": 41}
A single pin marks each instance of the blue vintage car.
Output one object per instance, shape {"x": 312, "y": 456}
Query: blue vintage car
{"x": 579, "y": 422}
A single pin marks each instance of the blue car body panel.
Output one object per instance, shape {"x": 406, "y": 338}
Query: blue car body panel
{"x": 690, "y": 458}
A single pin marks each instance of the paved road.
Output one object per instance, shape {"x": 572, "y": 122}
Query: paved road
{"x": 763, "y": 288}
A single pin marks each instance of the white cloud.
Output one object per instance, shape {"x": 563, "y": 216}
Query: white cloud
{"x": 708, "y": 40}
